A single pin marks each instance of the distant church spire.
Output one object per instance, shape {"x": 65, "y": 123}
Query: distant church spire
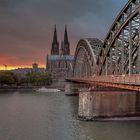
{"x": 55, "y": 44}
{"x": 65, "y": 48}
{"x": 55, "y": 35}
{"x": 66, "y": 35}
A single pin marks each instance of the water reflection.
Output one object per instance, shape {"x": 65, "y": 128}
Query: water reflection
{"x": 53, "y": 116}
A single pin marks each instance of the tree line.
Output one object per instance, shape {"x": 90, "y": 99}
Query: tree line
{"x": 36, "y": 79}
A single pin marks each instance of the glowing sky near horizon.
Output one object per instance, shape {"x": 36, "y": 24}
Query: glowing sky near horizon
{"x": 26, "y": 26}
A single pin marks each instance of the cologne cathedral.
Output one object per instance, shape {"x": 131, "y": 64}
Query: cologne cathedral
{"x": 60, "y": 58}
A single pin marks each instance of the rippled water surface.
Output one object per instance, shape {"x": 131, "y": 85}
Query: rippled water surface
{"x": 53, "y": 116}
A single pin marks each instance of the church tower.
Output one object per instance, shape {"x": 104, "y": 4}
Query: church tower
{"x": 65, "y": 46}
{"x": 55, "y": 44}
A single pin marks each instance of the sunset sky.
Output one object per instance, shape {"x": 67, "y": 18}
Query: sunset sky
{"x": 26, "y": 26}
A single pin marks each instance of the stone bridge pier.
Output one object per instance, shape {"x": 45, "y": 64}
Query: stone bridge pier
{"x": 108, "y": 104}
{"x": 72, "y": 88}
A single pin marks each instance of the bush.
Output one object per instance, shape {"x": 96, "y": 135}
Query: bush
{"x": 7, "y": 78}
{"x": 39, "y": 78}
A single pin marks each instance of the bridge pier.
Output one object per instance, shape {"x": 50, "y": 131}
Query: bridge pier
{"x": 108, "y": 104}
{"x": 73, "y": 88}
{"x": 138, "y": 102}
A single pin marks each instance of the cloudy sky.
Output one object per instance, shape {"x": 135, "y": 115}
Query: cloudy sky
{"x": 26, "y": 26}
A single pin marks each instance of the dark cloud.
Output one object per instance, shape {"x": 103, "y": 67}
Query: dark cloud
{"x": 26, "y": 26}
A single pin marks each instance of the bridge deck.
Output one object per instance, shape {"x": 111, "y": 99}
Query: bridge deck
{"x": 130, "y": 82}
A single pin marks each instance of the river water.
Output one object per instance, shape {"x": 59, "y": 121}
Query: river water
{"x": 53, "y": 116}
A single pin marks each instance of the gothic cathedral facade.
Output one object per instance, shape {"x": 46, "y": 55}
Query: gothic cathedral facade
{"x": 60, "y": 58}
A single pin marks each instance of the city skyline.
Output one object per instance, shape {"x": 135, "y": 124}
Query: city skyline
{"x": 27, "y": 26}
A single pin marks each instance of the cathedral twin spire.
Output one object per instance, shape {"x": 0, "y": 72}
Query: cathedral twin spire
{"x": 55, "y": 44}
{"x": 66, "y": 35}
{"x": 55, "y": 35}
{"x": 65, "y": 46}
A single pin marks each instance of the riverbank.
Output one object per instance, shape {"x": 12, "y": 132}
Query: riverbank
{"x": 18, "y": 88}
{"x": 27, "y": 88}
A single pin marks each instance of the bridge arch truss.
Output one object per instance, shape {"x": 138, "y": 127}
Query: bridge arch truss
{"x": 86, "y": 57}
{"x": 120, "y": 53}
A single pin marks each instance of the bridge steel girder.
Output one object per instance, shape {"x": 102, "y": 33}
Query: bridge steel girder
{"x": 120, "y": 53}
{"x": 85, "y": 57}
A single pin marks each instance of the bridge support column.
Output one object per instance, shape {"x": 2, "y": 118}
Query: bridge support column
{"x": 96, "y": 105}
{"x": 71, "y": 89}
{"x": 85, "y": 105}
{"x": 138, "y": 102}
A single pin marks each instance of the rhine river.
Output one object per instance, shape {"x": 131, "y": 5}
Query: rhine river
{"x": 53, "y": 116}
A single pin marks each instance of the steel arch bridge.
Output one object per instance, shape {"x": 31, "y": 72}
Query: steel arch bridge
{"x": 120, "y": 53}
{"x": 86, "y": 57}
{"x": 117, "y": 59}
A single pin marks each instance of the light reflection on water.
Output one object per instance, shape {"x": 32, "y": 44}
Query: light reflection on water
{"x": 53, "y": 116}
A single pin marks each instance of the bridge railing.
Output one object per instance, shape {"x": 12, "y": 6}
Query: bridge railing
{"x": 119, "y": 79}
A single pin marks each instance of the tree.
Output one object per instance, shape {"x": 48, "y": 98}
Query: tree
{"x": 7, "y": 78}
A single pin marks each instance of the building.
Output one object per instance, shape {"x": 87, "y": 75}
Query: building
{"x": 35, "y": 67}
{"x": 24, "y": 71}
{"x": 60, "y": 58}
